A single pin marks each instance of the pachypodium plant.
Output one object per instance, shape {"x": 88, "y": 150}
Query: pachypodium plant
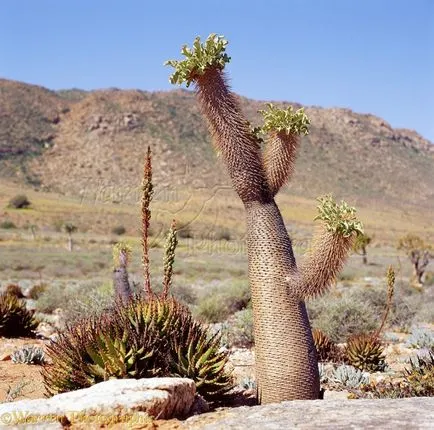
{"x": 286, "y": 362}
{"x": 121, "y": 283}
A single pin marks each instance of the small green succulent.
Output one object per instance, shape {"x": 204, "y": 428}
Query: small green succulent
{"x": 349, "y": 376}
{"x": 28, "y": 355}
{"x": 338, "y": 218}
{"x": 286, "y": 120}
{"x": 198, "y": 59}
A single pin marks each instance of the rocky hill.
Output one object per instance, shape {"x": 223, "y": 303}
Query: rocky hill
{"x": 76, "y": 142}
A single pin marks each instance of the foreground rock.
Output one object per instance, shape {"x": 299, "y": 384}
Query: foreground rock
{"x": 413, "y": 413}
{"x": 119, "y": 400}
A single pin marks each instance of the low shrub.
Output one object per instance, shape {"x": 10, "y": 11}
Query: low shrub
{"x": 221, "y": 302}
{"x": 7, "y": 225}
{"x": 14, "y": 290}
{"x": 184, "y": 293}
{"x": 341, "y": 317}
{"x": 239, "y": 329}
{"x": 35, "y": 291}
{"x": 82, "y": 299}
{"x": 15, "y": 319}
{"x": 20, "y": 201}
{"x": 119, "y": 230}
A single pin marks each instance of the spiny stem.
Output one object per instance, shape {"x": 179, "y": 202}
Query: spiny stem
{"x": 147, "y": 193}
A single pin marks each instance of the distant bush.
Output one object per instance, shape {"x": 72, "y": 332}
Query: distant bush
{"x": 222, "y": 233}
{"x": 219, "y": 303}
{"x": 184, "y": 293}
{"x": 184, "y": 231}
{"x": 7, "y": 225}
{"x": 341, "y": 317}
{"x": 119, "y": 230}
{"x": 15, "y": 319}
{"x": 14, "y": 290}
{"x": 36, "y": 291}
{"x": 239, "y": 330}
{"x": 20, "y": 201}
{"x": 82, "y": 300}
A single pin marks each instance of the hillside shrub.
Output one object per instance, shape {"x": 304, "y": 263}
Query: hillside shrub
{"x": 119, "y": 230}
{"x": 341, "y": 317}
{"x": 19, "y": 201}
{"x": 7, "y": 225}
{"x": 239, "y": 329}
{"x": 82, "y": 299}
{"x": 35, "y": 291}
{"x": 221, "y": 302}
{"x": 14, "y": 290}
{"x": 15, "y": 319}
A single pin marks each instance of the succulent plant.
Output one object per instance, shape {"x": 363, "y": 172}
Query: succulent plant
{"x": 420, "y": 375}
{"x": 421, "y": 338}
{"x": 365, "y": 352}
{"x": 29, "y": 355}
{"x": 326, "y": 349}
{"x": 257, "y": 174}
{"x": 99, "y": 348}
{"x": 141, "y": 338}
{"x": 417, "y": 381}
{"x": 14, "y": 290}
{"x": 15, "y": 319}
{"x": 323, "y": 374}
{"x": 349, "y": 376}
{"x": 197, "y": 355}
{"x": 36, "y": 291}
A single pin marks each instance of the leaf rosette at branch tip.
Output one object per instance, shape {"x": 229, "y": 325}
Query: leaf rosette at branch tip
{"x": 338, "y": 218}
{"x": 121, "y": 254}
{"x": 287, "y": 120}
{"x": 202, "y": 56}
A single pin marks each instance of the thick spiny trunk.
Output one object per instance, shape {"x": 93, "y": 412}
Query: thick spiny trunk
{"x": 121, "y": 284}
{"x": 286, "y": 362}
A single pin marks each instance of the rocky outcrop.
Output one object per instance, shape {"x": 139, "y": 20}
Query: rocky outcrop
{"x": 413, "y": 413}
{"x": 128, "y": 401}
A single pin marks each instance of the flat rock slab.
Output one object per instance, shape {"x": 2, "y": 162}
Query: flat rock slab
{"x": 412, "y": 413}
{"x": 118, "y": 400}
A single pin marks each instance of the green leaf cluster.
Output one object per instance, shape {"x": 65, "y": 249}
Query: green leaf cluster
{"x": 201, "y": 57}
{"x": 338, "y": 218}
{"x": 287, "y": 120}
{"x": 121, "y": 254}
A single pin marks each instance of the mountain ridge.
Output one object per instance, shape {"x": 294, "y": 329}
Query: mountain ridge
{"x": 74, "y": 140}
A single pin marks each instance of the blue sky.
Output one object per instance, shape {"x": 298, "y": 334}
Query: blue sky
{"x": 371, "y": 56}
